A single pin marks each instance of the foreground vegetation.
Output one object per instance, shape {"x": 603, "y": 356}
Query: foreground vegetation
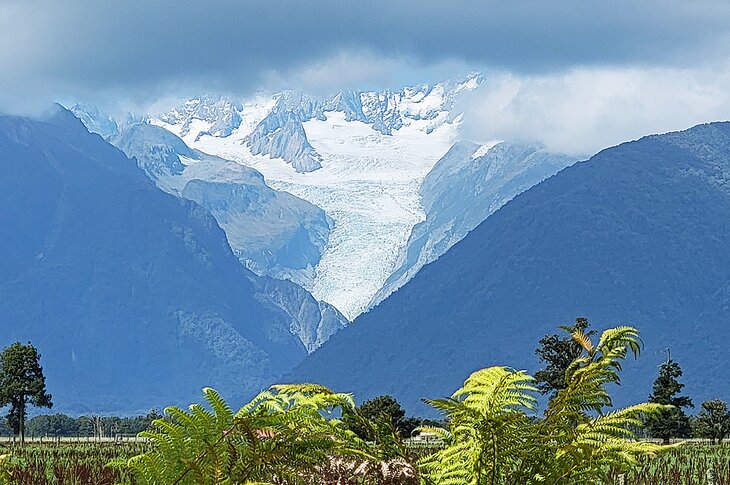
{"x": 686, "y": 465}
{"x": 493, "y": 435}
{"x": 86, "y": 465}
{"x": 293, "y": 433}
{"x": 68, "y": 464}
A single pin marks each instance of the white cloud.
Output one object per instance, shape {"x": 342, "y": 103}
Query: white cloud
{"x": 347, "y": 69}
{"x": 141, "y": 50}
{"x": 360, "y": 69}
{"x": 586, "y": 109}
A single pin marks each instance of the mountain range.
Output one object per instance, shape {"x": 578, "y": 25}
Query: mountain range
{"x": 357, "y": 240}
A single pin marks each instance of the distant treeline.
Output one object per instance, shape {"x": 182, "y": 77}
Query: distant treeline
{"x": 62, "y": 425}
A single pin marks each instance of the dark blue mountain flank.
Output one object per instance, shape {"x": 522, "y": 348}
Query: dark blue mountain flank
{"x": 464, "y": 188}
{"x": 639, "y": 234}
{"x": 133, "y": 296}
{"x": 272, "y": 232}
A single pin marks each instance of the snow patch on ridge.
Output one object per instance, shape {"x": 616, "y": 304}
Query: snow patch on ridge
{"x": 483, "y": 149}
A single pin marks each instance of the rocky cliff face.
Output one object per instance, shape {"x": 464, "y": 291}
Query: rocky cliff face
{"x": 272, "y": 232}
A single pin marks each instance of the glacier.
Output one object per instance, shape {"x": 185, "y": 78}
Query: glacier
{"x": 379, "y": 164}
{"x": 368, "y": 155}
{"x": 636, "y": 235}
{"x": 462, "y": 190}
{"x": 272, "y": 233}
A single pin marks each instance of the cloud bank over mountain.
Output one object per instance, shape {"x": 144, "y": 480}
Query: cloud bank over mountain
{"x": 586, "y": 64}
{"x": 587, "y": 109}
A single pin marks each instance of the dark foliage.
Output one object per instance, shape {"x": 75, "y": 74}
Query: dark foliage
{"x": 674, "y": 422}
{"x": 108, "y": 426}
{"x": 558, "y": 351}
{"x": 713, "y": 421}
{"x": 22, "y": 384}
{"x": 384, "y": 412}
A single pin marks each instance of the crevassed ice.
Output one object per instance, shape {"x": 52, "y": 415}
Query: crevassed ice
{"x": 368, "y": 184}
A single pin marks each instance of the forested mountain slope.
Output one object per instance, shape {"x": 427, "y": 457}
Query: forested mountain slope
{"x": 133, "y": 296}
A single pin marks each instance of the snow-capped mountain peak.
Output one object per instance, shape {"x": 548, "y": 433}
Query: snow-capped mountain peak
{"x": 271, "y": 125}
{"x": 95, "y": 120}
{"x": 361, "y": 157}
{"x": 219, "y": 116}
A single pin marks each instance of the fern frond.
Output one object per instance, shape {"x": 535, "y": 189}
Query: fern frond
{"x": 493, "y": 439}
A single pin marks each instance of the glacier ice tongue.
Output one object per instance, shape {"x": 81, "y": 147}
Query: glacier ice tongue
{"x": 361, "y": 156}
{"x": 368, "y": 184}
{"x": 464, "y": 188}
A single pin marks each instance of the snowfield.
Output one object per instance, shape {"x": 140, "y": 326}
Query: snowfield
{"x": 398, "y": 185}
{"x": 368, "y": 185}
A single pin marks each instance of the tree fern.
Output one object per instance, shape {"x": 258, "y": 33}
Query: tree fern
{"x": 292, "y": 434}
{"x": 496, "y": 438}
{"x": 488, "y": 419}
{"x": 281, "y": 437}
{"x": 6, "y": 466}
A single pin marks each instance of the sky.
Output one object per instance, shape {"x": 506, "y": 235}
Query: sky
{"x": 576, "y": 75}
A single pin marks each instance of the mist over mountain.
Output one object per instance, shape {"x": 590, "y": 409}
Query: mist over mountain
{"x": 636, "y": 235}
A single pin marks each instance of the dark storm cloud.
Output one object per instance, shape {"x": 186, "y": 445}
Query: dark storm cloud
{"x": 133, "y": 48}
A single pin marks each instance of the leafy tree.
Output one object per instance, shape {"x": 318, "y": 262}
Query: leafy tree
{"x": 131, "y": 425}
{"x": 383, "y": 411}
{"x": 152, "y": 416}
{"x": 496, "y": 438}
{"x": 63, "y": 425}
{"x": 558, "y": 352}
{"x": 21, "y": 384}
{"x": 52, "y": 425}
{"x": 713, "y": 421}
{"x": 671, "y": 422}
{"x": 382, "y": 407}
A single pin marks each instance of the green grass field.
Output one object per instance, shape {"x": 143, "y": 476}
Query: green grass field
{"x": 85, "y": 464}
{"x": 69, "y": 464}
{"x": 688, "y": 465}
